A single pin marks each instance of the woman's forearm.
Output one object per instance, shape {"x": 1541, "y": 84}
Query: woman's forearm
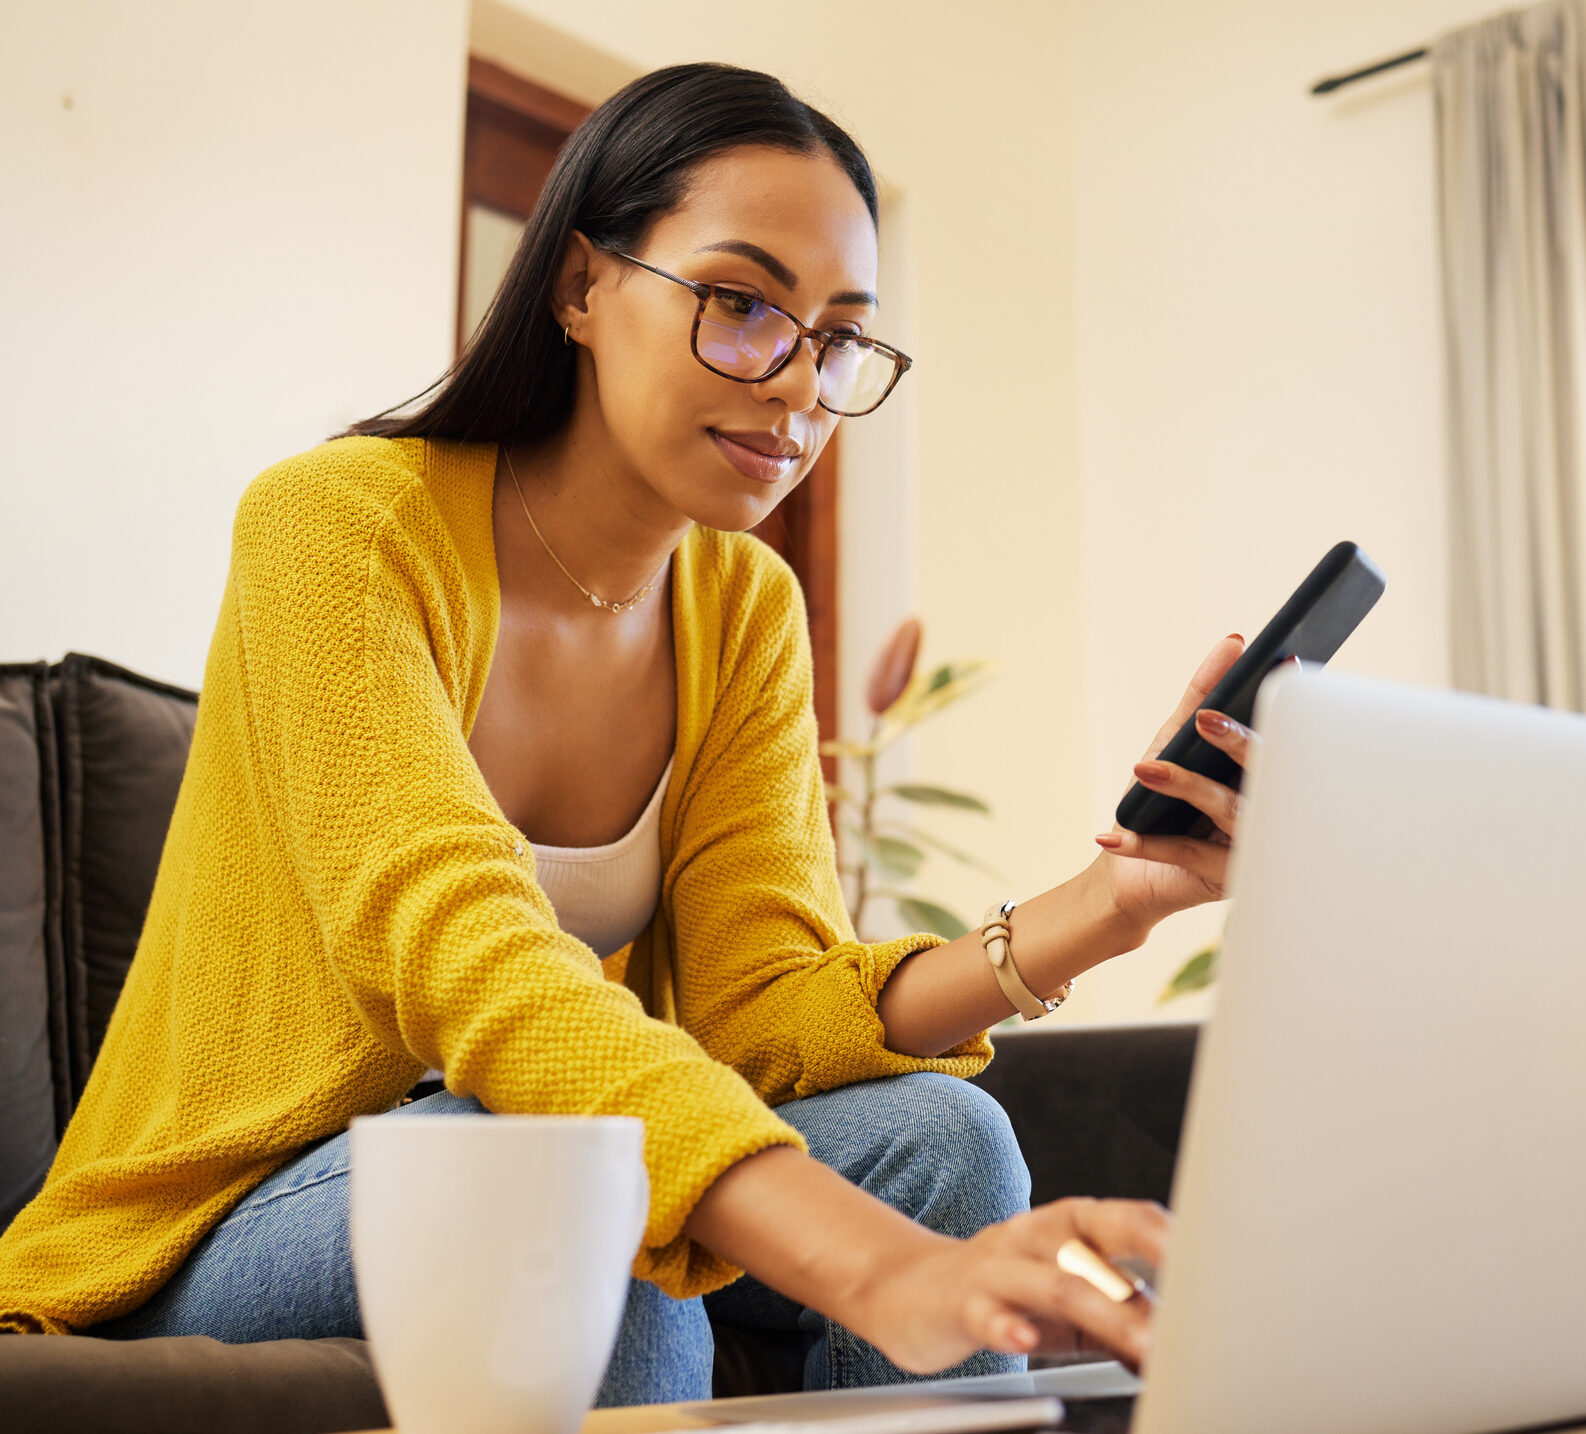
{"x": 799, "y": 1227}
{"x": 939, "y": 997}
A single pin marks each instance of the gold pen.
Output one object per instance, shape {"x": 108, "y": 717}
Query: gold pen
{"x": 1075, "y": 1257}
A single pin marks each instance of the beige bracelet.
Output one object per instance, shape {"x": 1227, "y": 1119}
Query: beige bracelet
{"x": 995, "y": 936}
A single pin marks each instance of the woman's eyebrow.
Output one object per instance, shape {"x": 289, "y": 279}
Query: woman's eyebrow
{"x": 780, "y": 271}
{"x": 755, "y": 254}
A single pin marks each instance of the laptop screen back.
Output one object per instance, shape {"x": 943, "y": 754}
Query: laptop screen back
{"x": 1382, "y": 1191}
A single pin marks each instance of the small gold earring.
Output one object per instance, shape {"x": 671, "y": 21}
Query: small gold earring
{"x": 567, "y": 336}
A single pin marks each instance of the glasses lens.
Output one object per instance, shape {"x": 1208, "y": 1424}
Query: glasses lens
{"x": 742, "y": 336}
{"x": 854, "y": 375}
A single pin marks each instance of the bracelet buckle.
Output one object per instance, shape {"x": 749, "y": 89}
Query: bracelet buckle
{"x": 996, "y": 936}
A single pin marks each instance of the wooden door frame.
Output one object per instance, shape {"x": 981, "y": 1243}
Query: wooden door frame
{"x": 803, "y": 530}
{"x": 803, "y": 527}
{"x": 496, "y": 91}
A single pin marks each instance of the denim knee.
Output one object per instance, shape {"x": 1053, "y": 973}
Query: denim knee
{"x": 961, "y": 1166}
{"x": 932, "y": 1146}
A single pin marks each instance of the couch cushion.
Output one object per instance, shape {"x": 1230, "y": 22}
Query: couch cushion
{"x": 182, "y": 1383}
{"x": 123, "y": 748}
{"x": 35, "y": 1083}
{"x": 1098, "y": 1110}
{"x": 186, "y": 1384}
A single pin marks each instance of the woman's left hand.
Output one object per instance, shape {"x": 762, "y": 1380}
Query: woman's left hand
{"x": 1154, "y": 876}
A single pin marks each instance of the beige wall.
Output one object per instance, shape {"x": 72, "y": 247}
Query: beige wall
{"x": 1214, "y": 306}
{"x": 1259, "y": 363}
{"x": 229, "y": 230}
{"x": 1221, "y": 356}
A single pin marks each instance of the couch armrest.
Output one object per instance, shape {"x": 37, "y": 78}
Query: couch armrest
{"x": 1098, "y": 1110}
{"x": 186, "y": 1384}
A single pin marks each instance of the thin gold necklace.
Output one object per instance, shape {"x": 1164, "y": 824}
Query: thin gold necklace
{"x": 613, "y": 607}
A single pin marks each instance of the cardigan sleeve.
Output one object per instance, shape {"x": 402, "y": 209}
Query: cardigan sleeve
{"x": 770, "y": 976}
{"x": 353, "y": 640}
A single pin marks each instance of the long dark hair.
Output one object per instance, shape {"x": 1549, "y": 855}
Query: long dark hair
{"x": 626, "y": 164}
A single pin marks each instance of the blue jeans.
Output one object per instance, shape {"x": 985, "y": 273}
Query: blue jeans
{"x": 940, "y": 1150}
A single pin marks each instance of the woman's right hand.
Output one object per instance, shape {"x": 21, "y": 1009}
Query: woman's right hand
{"x": 1002, "y": 1289}
{"x": 926, "y": 1300}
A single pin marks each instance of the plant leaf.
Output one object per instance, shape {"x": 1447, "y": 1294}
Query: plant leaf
{"x": 892, "y": 855}
{"x": 936, "y": 797}
{"x": 894, "y": 666}
{"x": 1196, "y": 974}
{"x": 928, "y": 695}
{"x": 919, "y": 834}
{"x": 928, "y": 916}
{"x": 895, "y": 856}
{"x": 858, "y": 751}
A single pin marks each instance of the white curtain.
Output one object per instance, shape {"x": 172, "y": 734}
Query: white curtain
{"x": 1512, "y": 211}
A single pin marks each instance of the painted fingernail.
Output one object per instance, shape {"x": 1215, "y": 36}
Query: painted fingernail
{"x": 1213, "y": 722}
{"x": 1109, "y": 840}
{"x": 1236, "y": 637}
{"x": 1152, "y": 771}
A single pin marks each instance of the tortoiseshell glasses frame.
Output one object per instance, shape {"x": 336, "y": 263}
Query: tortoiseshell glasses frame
{"x": 863, "y": 370}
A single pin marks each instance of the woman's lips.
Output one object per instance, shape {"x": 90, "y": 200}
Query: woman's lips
{"x": 751, "y": 462}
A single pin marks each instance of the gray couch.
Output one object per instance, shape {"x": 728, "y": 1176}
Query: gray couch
{"x": 90, "y": 759}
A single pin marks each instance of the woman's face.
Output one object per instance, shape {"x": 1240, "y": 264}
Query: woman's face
{"x": 788, "y": 228}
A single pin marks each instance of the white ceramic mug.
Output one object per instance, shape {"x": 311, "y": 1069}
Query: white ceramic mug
{"x": 492, "y": 1254}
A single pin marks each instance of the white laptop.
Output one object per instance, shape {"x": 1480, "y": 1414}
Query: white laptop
{"x": 1382, "y": 1186}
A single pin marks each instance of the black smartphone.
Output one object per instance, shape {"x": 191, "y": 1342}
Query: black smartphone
{"x": 1311, "y": 626}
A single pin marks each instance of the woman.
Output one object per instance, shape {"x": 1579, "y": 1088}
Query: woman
{"x": 527, "y": 610}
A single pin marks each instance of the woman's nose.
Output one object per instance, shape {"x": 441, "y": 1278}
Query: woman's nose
{"x": 798, "y": 382}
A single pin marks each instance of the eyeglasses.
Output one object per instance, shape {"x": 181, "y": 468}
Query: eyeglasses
{"x": 741, "y": 337}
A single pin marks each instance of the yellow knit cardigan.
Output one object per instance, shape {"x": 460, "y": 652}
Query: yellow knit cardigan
{"x": 341, "y": 903}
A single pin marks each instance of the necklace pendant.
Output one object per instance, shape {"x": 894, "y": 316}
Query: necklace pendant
{"x": 611, "y": 607}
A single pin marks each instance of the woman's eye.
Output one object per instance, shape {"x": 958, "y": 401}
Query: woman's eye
{"x": 736, "y": 303}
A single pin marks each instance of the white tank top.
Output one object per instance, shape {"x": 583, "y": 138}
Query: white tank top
{"x": 605, "y": 895}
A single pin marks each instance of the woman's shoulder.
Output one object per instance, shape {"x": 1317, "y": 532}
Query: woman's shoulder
{"x": 425, "y": 497}
{"x": 344, "y": 479}
{"x": 361, "y": 521}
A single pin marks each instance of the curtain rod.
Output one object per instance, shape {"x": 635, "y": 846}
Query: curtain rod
{"x": 1337, "y": 82}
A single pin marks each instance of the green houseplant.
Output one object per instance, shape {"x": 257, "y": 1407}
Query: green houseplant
{"x": 886, "y": 842}
{"x": 1196, "y": 974}
{"x": 878, "y": 823}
